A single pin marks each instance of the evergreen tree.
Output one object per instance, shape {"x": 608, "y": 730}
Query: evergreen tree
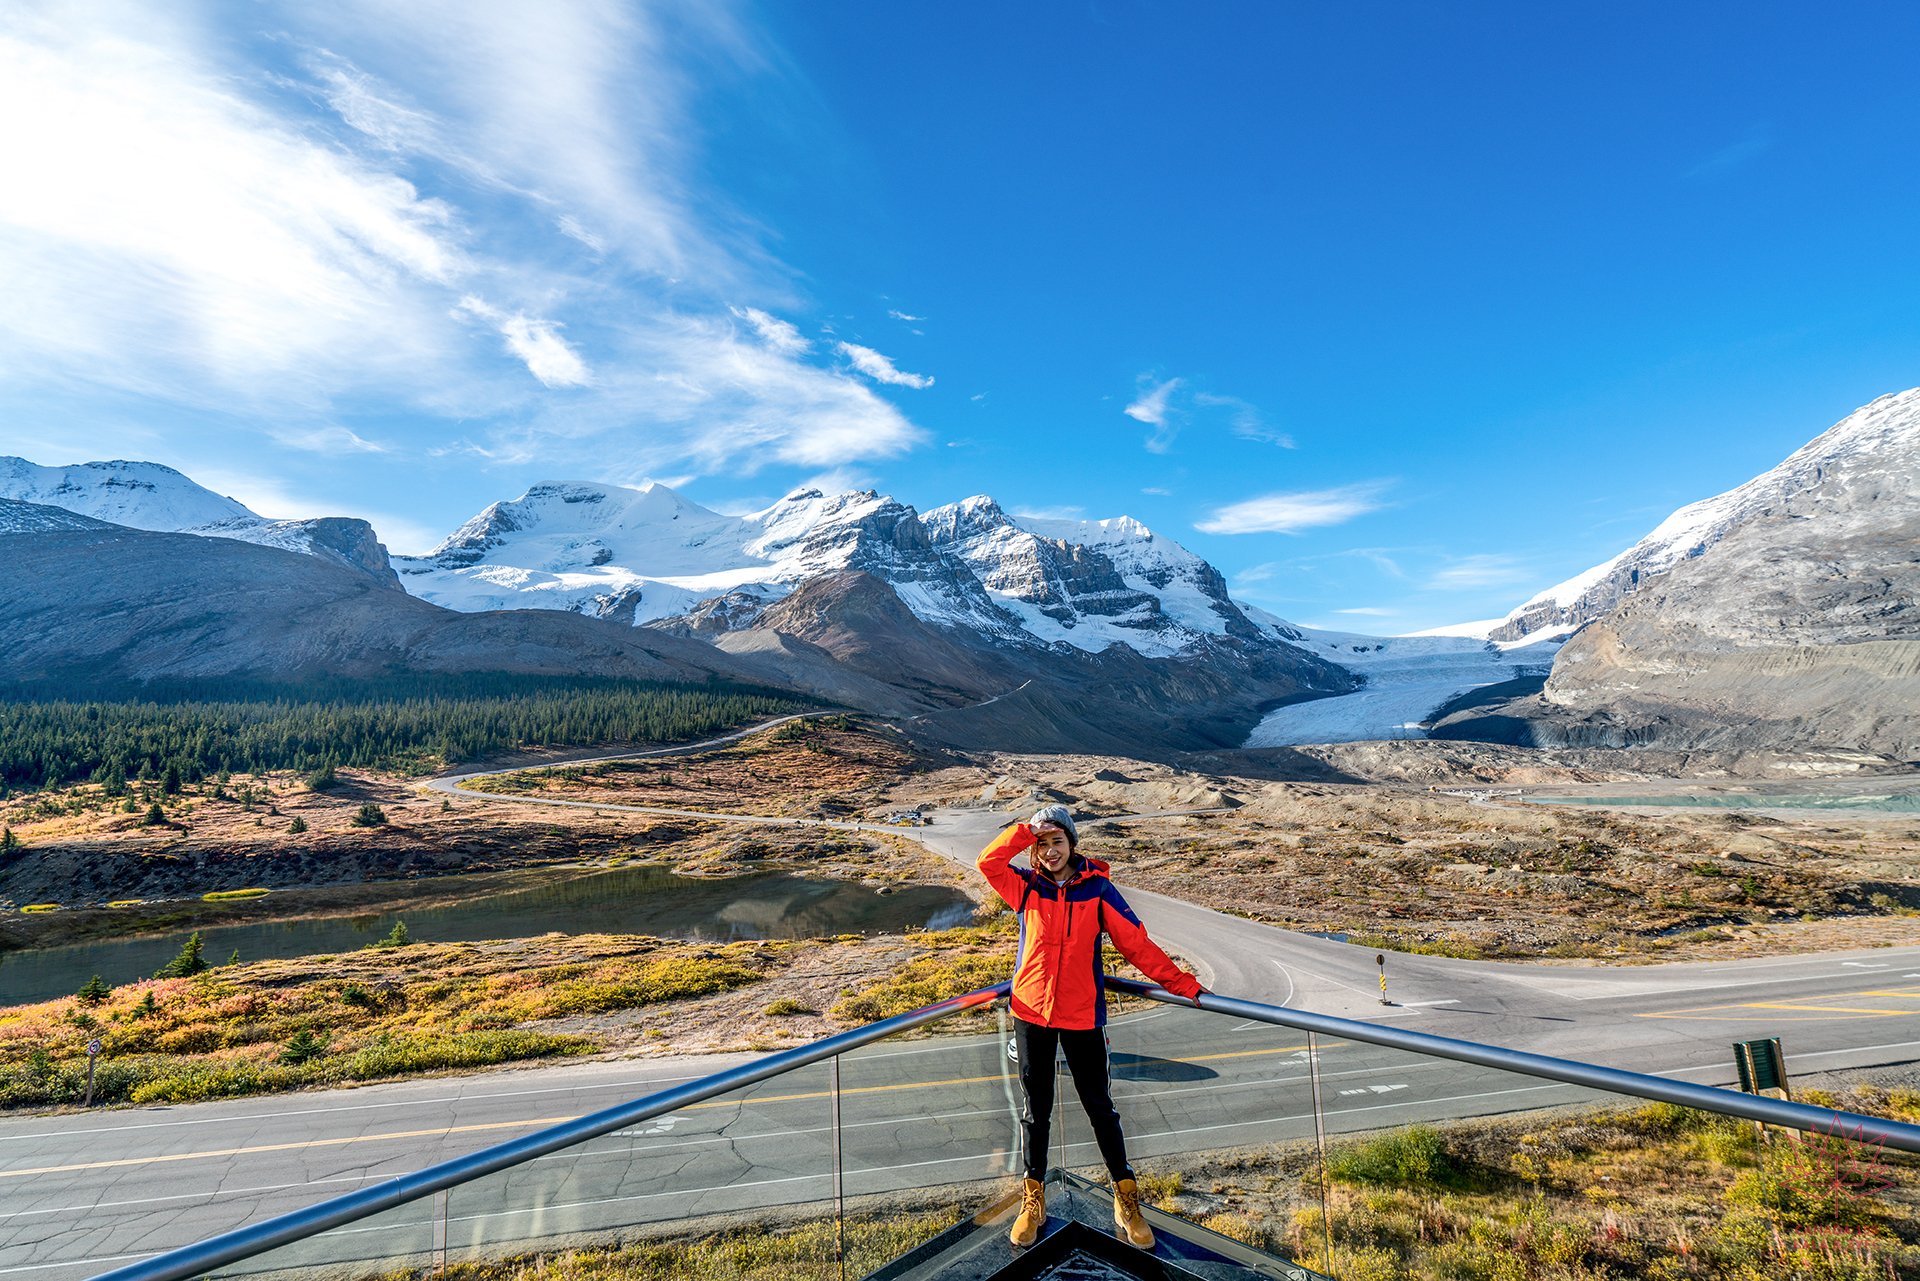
{"x": 155, "y": 815}
{"x": 235, "y": 958}
{"x": 185, "y": 965}
{"x": 8, "y": 841}
{"x": 115, "y": 783}
{"x": 171, "y": 783}
{"x": 94, "y": 992}
{"x": 399, "y": 937}
{"x": 298, "y": 825}
{"x": 303, "y": 1046}
{"x": 145, "y": 1006}
{"x": 322, "y": 779}
{"x": 370, "y": 815}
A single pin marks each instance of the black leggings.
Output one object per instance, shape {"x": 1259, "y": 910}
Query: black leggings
{"x": 1086, "y": 1054}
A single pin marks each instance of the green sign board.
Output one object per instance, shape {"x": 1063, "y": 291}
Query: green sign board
{"x": 1762, "y": 1065}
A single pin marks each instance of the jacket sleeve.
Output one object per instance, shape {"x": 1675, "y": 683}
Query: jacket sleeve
{"x": 1124, "y": 928}
{"x": 996, "y": 864}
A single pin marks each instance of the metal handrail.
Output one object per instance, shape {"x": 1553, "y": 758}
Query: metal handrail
{"x": 1707, "y": 1098}
{"x": 204, "y": 1256}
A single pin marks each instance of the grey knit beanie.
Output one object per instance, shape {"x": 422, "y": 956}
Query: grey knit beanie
{"x": 1060, "y": 818}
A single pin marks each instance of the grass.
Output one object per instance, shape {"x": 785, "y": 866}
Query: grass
{"x": 222, "y": 896}
{"x": 1658, "y": 1192}
{"x": 385, "y": 1011}
{"x": 964, "y": 960}
{"x": 758, "y": 1252}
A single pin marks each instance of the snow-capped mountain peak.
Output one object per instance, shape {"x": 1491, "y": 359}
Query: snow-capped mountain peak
{"x": 140, "y": 495}
{"x": 1876, "y": 445}
{"x": 650, "y": 556}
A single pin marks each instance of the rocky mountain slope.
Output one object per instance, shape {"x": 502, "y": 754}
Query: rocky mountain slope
{"x": 1788, "y": 617}
{"x": 152, "y": 497}
{"x": 1860, "y": 442}
{"x": 114, "y": 603}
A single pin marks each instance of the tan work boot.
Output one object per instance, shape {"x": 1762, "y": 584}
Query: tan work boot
{"x": 1127, "y": 1216}
{"x": 1033, "y": 1214}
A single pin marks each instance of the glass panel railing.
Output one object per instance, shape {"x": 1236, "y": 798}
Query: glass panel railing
{"x": 749, "y": 1162}
{"x": 929, "y": 1131}
{"x": 401, "y": 1239}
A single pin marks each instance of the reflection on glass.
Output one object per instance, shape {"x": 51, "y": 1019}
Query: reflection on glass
{"x": 758, "y": 1157}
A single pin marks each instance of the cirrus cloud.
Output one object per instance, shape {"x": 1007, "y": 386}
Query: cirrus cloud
{"x": 878, "y": 367}
{"x": 1291, "y": 513}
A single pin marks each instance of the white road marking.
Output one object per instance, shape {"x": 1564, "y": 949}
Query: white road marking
{"x": 1376, "y": 1089}
{"x": 1862, "y": 965}
{"x": 1415, "y": 1004}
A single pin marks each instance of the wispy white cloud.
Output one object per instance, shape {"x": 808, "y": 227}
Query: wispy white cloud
{"x": 1244, "y": 419}
{"x": 901, "y": 315}
{"x": 1051, "y": 513}
{"x": 1170, "y": 406}
{"x": 878, "y": 367}
{"x": 1155, "y": 489}
{"x": 1256, "y": 573}
{"x": 1151, "y": 406}
{"x": 275, "y": 229}
{"x": 536, "y": 342}
{"x": 1291, "y": 513}
{"x": 1479, "y": 571}
{"x": 779, "y": 335}
{"x": 1370, "y": 612}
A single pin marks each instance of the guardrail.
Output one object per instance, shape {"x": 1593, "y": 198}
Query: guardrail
{"x": 1707, "y": 1098}
{"x": 204, "y": 1256}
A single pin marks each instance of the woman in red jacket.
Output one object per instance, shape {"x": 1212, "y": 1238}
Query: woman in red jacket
{"x": 1064, "y": 903}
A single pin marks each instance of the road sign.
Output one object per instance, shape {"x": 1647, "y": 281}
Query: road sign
{"x": 1762, "y": 1065}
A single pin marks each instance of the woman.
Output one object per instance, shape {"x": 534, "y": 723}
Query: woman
{"x": 1064, "y": 903}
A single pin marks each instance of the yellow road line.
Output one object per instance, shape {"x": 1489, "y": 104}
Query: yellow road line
{"x": 549, "y": 1120}
{"x": 1706, "y": 1013}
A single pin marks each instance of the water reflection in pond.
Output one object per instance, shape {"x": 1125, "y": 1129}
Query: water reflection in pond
{"x": 643, "y": 900}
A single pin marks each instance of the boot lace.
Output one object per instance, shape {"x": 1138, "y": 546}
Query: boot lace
{"x": 1129, "y": 1199}
{"x": 1034, "y": 1202}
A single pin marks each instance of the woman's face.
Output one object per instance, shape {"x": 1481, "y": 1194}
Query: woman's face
{"x": 1051, "y": 850}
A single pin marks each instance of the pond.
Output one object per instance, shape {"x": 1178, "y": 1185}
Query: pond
{"x": 642, "y": 900}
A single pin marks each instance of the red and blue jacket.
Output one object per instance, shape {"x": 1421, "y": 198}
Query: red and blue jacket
{"x": 1056, "y": 980}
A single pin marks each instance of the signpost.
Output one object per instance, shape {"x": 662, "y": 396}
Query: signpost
{"x": 1380, "y": 959}
{"x": 1763, "y": 1067}
{"x": 93, "y": 1052}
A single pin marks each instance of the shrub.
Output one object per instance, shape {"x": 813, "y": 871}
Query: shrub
{"x": 94, "y": 992}
{"x": 8, "y": 841}
{"x": 786, "y": 1005}
{"x": 323, "y": 778}
{"x": 222, "y": 896}
{"x": 670, "y": 980}
{"x": 397, "y": 936}
{"x": 370, "y": 815}
{"x": 1416, "y": 1154}
{"x": 298, "y": 825}
{"x": 156, "y": 817}
{"x": 924, "y": 981}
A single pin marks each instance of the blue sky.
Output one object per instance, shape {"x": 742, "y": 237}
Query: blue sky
{"x": 1397, "y": 313}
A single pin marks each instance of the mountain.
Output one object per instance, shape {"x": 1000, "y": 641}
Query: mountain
{"x": 1782, "y": 613}
{"x": 17, "y": 517}
{"x": 108, "y": 602}
{"x": 975, "y": 693}
{"x": 152, "y": 497}
{"x": 650, "y": 556}
{"x": 1860, "y": 443}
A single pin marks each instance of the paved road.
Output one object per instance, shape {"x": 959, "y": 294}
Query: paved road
{"x": 79, "y": 1193}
